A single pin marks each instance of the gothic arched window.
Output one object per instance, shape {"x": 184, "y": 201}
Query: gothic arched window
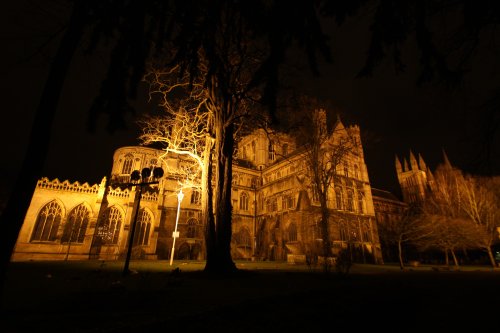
{"x": 360, "y": 202}
{"x": 76, "y": 226}
{"x": 109, "y": 231}
{"x": 244, "y": 201}
{"x": 127, "y": 164}
{"x": 192, "y": 228}
{"x": 356, "y": 171}
{"x": 142, "y": 229}
{"x": 274, "y": 204}
{"x": 271, "y": 151}
{"x": 338, "y": 197}
{"x": 346, "y": 169}
{"x": 47, "y": 223}
{"x": 196, "y": 197}
{"x": 284, "y": 202}
{"x": 350, "y": 201}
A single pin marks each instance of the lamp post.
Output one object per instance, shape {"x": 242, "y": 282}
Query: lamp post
{"x": 139, "y": 179}
{"x": 254, "y": 245}
{"x": 175, "y": 234}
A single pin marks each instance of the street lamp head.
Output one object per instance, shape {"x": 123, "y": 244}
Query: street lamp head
{"x": 180, "y": 195}
{"x": 146, "y": 173}
{"x": 135, "y": 176}
{"x": 157, "y": 173}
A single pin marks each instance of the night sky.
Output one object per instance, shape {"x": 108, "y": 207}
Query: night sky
{"x": 395, "y": 115}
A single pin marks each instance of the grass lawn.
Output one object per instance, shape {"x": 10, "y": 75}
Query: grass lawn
{"x": 93, "y": 296}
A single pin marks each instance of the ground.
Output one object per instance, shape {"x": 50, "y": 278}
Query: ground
{"x": 93, "y": 296}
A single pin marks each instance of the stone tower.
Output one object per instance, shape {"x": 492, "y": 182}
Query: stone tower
{"x": 413, "y": 178}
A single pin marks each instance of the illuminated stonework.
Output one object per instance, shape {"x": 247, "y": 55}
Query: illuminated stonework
{"x": 284, "y": 212}
{"x": 275, "y": 211}
{"x": 389, "y": 210}
{"x": 412, "y": 179}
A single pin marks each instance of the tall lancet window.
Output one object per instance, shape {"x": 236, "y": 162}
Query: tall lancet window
{"x": 272, "y": 155}
{"x": 338, "y": 198}
{"x": 127, "y": 164}
{"x": 47, "y": 223}
{"x": 109, "y": 231}
{"x": 143, "y": 228}
{"x": 75, "y": 228}
{"x": 350, "y": 203}
{"x": 244, "y": 201}
{"x": 360, "y": 202}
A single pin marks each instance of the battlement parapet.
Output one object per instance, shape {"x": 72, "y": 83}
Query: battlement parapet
{"x": 66, "y": 185}
{"x": 119, "y": 193}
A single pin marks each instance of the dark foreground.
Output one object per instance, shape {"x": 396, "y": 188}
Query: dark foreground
{"x": 263, "y": 297}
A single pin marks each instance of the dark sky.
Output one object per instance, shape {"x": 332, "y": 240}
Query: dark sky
{"x": 394, "y": 114}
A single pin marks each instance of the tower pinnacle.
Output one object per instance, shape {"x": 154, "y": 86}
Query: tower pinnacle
{"x": 397, "y": 162}
{"x": 446, "y": 161}
{"x": 413, "y": 162}
{"x": 421, "y": 163}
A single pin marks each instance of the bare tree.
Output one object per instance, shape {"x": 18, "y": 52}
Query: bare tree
{"x": 202, "y": 123}
{"x": 184, "y": 130}
{"x": 481, "y": 206}
{"x": 460, "y": 213}
{"x": 449, "y": 235}
{"x": 185, "y": 127}
{"x": 442, "y": 209}
{"x": 324, "y": 151}
{"x": 410, "y": 229}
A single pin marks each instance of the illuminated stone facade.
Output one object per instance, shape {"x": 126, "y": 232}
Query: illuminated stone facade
{"x": 78, "y": 221}
{"x": 285, "y": 219}
{"x": 275, "y": 211}
{"x": 389, "y": 210}
{"x": 412, "y": 178}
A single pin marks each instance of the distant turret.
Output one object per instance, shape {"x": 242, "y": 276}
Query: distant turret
{"x": 446, "y": 161}
{"x": 413, "y": 162}
{"x": 430, "y": 177}
{"x": 413, "y": 180}
{"x": 399, "y": 169}
{"x": 421, "y": 163}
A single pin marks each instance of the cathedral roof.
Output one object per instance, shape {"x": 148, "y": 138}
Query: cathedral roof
{"x": 384, "y": 194}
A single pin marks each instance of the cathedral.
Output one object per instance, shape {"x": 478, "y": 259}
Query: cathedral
{"x": 276, "y": 210}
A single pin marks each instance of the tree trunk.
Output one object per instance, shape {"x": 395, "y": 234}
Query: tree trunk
{"x": 466, "y": 255}
{"x": 39, "y": 140}
{"x": 207, "y": 212}
{"x": 400, "y": 255}
{"x": 220, "y": 260}
{"x": 491, "y": 256}
{"x": 325, "y": 234}
{"x": 455, "y": 260}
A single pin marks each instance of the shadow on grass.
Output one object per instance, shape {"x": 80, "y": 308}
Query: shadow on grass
{"x": 94, "y": 296}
